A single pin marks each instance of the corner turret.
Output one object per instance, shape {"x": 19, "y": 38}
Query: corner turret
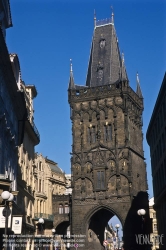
{"x": 71, "y": 79}
{"x": 138, "y": 90}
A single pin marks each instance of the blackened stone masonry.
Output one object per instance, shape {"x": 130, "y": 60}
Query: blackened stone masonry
{"x": 107, "y": 163}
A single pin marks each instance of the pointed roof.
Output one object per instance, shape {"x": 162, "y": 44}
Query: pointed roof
{"x": 138, "y": 90}
{"x": 105, "y": 64}
{"x": 71, "y": 79}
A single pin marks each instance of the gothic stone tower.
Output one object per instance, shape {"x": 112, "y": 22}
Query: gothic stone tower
{"x": 108, "y": 168}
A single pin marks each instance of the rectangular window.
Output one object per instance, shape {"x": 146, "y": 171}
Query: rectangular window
{"x": 43, "y": 187}
{"x": 39, "y": 189}
{"x": 60, "y": 209}
{"x": 66, "y": 209}
{"x": 100, "y": 180}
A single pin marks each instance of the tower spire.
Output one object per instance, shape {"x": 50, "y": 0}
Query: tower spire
{"x": 71, "y": 79}
{"x": 105, "y": 63}
{"x": 138, "y": 91}
{"x": 112, "y": 15}
{"x": 94, "y": 18}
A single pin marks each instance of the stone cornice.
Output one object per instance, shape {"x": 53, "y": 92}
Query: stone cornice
{"x": 88, "y": 94}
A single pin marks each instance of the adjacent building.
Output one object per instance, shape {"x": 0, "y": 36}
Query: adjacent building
{"x": 154, "y": 235}
{"x": 50, "y": 180}
{"x": 156, "y": 138}
{"x": 26, "y": 153}
{"x": 68, "y": 184}
{"x": 12, "y": 113}
{"x": 32, "y": 178}
{"x": 12, "y": 116}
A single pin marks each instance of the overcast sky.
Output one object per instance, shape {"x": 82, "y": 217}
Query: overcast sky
{"x": 46, "y": 34}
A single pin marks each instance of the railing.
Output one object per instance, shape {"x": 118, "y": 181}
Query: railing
{"x": 44, "y": 216}
{"x": 104, "y": 21}
{"x": 36, "y": 131}
{"x": 34, "y": 128}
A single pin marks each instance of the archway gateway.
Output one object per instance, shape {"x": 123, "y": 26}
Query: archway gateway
{"x": 97, "y": 228}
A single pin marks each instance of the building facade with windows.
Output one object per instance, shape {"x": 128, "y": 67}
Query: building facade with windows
{"x": 50, "y": 180}
{"x": 62, "y": 213}
{"x": 156, "y": 138}
{"x": 26, "y": 153}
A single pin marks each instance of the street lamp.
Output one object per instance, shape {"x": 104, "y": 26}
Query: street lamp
{"x": 41, "y": 222}
{"x": 6, "y": 196}
{"x": 117, "y": 229}
{"x": 142, "y": 212}
{"x": 53, "y": 232}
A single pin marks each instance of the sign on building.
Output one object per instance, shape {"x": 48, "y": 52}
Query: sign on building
{"x": 17, "y": 224}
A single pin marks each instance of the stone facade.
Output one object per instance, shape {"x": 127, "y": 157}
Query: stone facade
{"x": 107, "y": 164}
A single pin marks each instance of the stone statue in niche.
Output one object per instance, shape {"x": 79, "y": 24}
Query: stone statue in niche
{"x": 112, "y": 165}
{"x": 83, "y": 189}
{"x": 100, "y": 71}
{"x": 83, "y": 186}
{"x": 118, "y": 184}
{"x": 124, "y": 165}
{"x": 102, "y": 43}
{"x": 100, "y": 74}
{"x": 88, "y": 168}
{"x": 77, "y": 168}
